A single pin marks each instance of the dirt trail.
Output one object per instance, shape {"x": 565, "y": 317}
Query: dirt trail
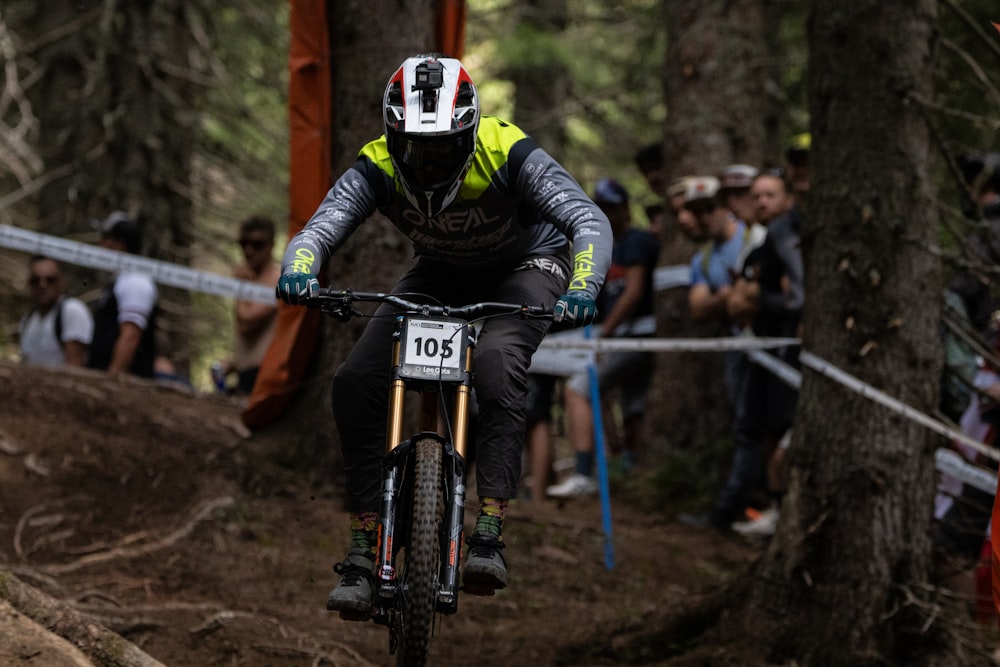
{"x": 144, "y": 509}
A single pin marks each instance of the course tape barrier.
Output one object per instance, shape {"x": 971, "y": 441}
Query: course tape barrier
{"x": 112, "y": 261}
{"x": 755, "y": 347}
{"x": 561, "y": 353}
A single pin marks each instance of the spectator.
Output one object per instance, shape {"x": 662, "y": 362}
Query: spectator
{"x": 649, "y": 161}
{"x": 541, "y": 389}
{"x": 717, "y": 263}
{"x": 963, "y": 511}
{"x": 713, "y": 266}
{"x": 769, "y": 295}
{"x": 255, "y": 322}
{"x": 734, "y": 191}
{"x": 688, "y": 224}
{"x": 657, "y": 218}
{"x": 626, "y": 307}
{"x": 58, "y": 329}
{"x": 125, "y": 315}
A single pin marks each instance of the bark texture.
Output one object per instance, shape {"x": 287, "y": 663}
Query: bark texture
{"x": 375, "y": 256}
{"x": 856, "y": 523}
{"x": 716, "y": 115}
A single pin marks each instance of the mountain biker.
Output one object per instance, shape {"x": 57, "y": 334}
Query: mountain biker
{"x": 491, "y": 217}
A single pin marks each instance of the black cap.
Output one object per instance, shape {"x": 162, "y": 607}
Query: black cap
{"x": 609, "y": 191}
{"x": 119, "y": 225}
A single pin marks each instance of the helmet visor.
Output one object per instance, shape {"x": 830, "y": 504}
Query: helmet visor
{"x": 433, "y": 162}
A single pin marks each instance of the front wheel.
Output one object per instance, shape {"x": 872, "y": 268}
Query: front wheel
{"x": 423, "y": 556}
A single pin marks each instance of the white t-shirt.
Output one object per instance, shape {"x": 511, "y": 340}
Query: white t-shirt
{"x": 39, "y": 345}
{"x": 136, "y": 295}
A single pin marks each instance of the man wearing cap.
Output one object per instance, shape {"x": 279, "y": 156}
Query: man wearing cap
{"x": 734, "y": 191}
{"x": 686, "y": 222}
{"x": 713, "y": 266}
{"x": 125, "y": 315}
{"x": 625, "y": 304}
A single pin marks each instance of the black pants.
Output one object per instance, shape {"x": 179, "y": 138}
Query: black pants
{"x": 502, "y": 356}
{"x": 765, "y": 407}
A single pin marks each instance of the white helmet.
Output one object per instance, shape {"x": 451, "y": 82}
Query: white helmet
{"x": 431, "y": 112}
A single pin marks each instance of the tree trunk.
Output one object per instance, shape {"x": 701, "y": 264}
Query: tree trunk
{"x": 716, "y": 116}
{"x": 844, "y": 581}
{"x": 541, "y": 83}
{"x": 373, "y": 259}
{"x": 715, "y": 85}
{"x": 117, "y": 124}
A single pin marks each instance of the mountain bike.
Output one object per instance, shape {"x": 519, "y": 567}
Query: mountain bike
{"x": 423, "y": 484}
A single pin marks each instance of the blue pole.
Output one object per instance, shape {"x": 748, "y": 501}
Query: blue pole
{"x": 601, "y": 458}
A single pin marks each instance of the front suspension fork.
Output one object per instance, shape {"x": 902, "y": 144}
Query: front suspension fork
{"x": 451, "y": 547}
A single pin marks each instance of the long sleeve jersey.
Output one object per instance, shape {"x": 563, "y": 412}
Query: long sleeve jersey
{"x": 516, "y": 201}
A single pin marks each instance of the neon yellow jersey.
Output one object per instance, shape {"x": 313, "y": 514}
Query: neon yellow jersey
{"x": 515, "y": 202}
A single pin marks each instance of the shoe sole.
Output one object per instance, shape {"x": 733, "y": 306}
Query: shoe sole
{"x": 482, "y": 583}
{"x": 349, "y": 614}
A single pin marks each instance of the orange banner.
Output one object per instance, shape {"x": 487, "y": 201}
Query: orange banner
{"x": 291, "y": 352}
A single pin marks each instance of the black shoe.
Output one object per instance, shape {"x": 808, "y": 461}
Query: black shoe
{"x": 354, "y": 594}
{"x": 485, "y": 567}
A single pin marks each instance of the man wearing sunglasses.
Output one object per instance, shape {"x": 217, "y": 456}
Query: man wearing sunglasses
{"x": 57, "y": 331}
{"x": 255, "y": 322}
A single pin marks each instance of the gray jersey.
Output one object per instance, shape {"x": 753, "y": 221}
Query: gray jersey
{"x": 515, "y": 202}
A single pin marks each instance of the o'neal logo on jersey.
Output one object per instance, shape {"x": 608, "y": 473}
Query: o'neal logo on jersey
{"x": 303, "y": 262}
{"x": 583, "y": 268}
{"x": 451, "y": 222}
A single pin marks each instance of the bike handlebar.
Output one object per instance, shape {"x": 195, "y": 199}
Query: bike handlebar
{"x": 338, "y": 303}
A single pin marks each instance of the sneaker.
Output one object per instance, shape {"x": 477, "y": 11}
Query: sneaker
{"x": 763, "y": 526}
{"x": 485, "y": 567}
{"x": 354, "y": 594}
{"x": 574, "y": 485}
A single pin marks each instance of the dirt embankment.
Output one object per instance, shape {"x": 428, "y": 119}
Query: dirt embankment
{"x": 141, "y": 510}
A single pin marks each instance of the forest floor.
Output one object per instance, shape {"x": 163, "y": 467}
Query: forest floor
{"x": 146, "y": 510}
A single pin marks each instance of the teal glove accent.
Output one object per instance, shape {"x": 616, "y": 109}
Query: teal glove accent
{"x": 295, "y": 288}
{"x": 574, "y": 308}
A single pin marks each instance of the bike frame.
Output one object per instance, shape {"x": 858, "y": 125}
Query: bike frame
{"x": 454, "y": 443}
{"x": 432, "y": 353}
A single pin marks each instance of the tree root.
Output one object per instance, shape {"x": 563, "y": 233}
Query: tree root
{"x": 200, "y": 513}
{"x": 102, "y": 646}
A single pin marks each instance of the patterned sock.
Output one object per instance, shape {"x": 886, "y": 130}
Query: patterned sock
{"x": 491, "y": 514}
{"x": 364, "y": 532}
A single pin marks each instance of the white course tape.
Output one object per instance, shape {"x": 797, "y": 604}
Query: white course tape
{"x": 793, "y": 378}
{"x": 952, "y": 464}
{"x": 562, "y": 353}
{"x": 165, "y": 273}
{"x": 724, "y": 344}
{"x": 666, "y": 277}
{"x": 567, "y": 352}
{"x": 830, "y": 371}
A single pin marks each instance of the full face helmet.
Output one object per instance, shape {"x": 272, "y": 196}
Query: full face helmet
{"x": 431, "y": 112}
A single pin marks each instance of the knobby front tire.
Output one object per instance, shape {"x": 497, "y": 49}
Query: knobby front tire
{"x": 423, "y": 555}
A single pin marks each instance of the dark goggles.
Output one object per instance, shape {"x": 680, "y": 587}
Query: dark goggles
{"x": 447, "y": 152}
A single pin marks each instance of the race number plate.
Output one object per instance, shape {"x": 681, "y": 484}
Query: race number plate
{"x": 433, "y": 349}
